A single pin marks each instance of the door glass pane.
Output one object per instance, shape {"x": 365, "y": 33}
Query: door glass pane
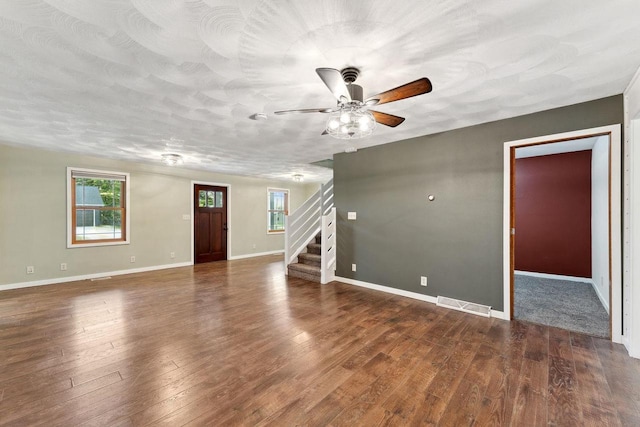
{"x": 202, "y": 199}
{"x": 219, "y": 199}
{"x": 211, "y": 197}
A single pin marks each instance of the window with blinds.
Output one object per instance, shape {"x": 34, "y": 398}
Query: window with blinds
{"x": 98, "y": 203}
{"x": 277, "y": 208}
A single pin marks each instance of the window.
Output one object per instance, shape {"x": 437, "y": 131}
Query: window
{"x": 97, "y": 212}
{"x": 210, "y": 199}
{"x": 277, "y": 208}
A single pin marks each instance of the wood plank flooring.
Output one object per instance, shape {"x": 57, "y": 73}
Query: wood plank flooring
{"x": 238, "y": 343}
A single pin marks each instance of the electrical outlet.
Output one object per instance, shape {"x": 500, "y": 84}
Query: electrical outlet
{"x": 353, "y": 267}
{"x": 63, "y": 266}
{"x": 254, "y": 246}
{"x": 31, "y": 269}
{"x": 133, "y": 258}
{"x": 172, "y": 255}
{"x": 423, "y": 280}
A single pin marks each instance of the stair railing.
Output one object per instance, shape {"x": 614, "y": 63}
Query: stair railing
{"x": 305, "y": 223}
{"x": 328, "y": 250}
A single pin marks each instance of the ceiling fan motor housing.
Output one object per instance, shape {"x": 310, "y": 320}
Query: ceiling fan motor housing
{"x": 356, "y": 93}
{"x": 350, "y": 74}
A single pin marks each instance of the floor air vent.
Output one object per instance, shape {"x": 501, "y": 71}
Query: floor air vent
{"x": 467, "y": 307}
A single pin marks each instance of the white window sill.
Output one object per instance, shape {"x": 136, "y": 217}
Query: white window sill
{"x": 89, "y": 245}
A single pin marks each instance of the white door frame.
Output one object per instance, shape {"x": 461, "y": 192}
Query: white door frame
{"x": 615, "y": 218}
{"x": 631, "y": 330}
{"x": 215, "y": 184}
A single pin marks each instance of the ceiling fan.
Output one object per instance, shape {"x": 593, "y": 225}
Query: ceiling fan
{"x": 352, "y": 118}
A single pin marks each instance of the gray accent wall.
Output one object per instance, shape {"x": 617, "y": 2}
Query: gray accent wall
{"x": 455, "y": 240}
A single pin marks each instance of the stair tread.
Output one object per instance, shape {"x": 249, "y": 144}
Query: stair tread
{"x": 314, "y": 248}
{"x": 309, "y": 269}
{"x": 314, "y": 257}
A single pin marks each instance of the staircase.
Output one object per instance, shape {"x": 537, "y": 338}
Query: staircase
{"x": 308, "y": 265}
{"x": 310, "y": 238}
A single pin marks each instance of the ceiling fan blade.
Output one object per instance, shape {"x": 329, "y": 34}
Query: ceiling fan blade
{"x": 387, "y": 119}
{"x": 408, "y": 90}
{"x": 305, "y": 110}
{"x": 324, "y": 133}
{"x": 333, "y": 79}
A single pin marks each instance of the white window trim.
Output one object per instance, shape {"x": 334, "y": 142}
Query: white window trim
{"x": 286, "y": 208}
{"x": 127, "y": 230}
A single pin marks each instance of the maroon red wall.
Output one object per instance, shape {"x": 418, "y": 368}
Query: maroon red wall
{"x": 553, "y": 214}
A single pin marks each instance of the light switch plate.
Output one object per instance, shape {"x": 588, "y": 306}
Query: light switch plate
{"x": 351, "y": 215}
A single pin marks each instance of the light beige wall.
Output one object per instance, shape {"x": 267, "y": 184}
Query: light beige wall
{"x": 33, "y": 215}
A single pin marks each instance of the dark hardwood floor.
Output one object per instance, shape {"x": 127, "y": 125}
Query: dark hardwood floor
{"x": 237, "y": 343}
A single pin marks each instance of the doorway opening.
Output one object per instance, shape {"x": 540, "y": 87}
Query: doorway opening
{"x": 603, "y": 264}
{"x": 210, "y": 225}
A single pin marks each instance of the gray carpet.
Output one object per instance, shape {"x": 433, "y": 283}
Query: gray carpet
{"x": 560, "y": 303}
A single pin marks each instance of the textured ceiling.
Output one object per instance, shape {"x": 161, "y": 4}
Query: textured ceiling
{"x": 133, "y": 79}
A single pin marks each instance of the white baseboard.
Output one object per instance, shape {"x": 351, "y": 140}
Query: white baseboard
{"x": 231, "y": 258}
{"x": 403, "y": 293}
{"x": 91, "y": 276}
{"x": 602, "y": 300}
{"x": 116, "y": 273}
{"x": 634, "y": 351}
{"x": 500, "y": 315}
{"x": 554, "y": 276}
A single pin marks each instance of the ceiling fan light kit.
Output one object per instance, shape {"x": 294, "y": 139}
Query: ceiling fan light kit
{"x": 352, "y": 119}
{"x": 350, "y": 123}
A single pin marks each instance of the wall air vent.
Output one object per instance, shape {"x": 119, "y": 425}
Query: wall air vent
{"x": 467, "y": 307}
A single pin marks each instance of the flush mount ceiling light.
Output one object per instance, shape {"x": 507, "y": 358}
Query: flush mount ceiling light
{"x": 258, "y": 116}
{"x": 352, "y": 118}
{"x": 172, "y": 159}
{"x": 298, "y": 178}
